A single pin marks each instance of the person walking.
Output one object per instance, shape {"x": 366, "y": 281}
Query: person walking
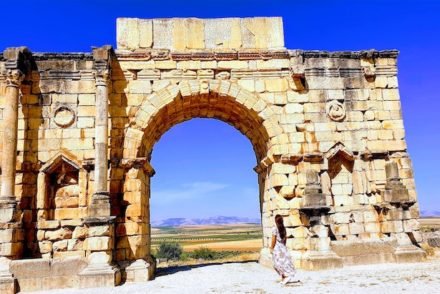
{"x": 282, "y": 261}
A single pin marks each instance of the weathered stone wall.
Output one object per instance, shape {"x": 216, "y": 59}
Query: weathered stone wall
{"x": 326, "y": 128}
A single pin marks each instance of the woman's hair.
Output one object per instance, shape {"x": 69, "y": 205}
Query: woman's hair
{"x": 280, "y": 226}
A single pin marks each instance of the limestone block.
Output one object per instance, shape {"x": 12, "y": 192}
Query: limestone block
{"x": 60, "y": 245}
{"x": 273, "y": 64}
{"x": 69, "y": 213}
{"x": 48, "y": 224}
{"x": 45, "y": 247}
{"x": 411, "y": 225}
{"x": 71, "y": 223}
{"x": 98, "y": 243}
{"x": 262, "y": 32}
{"x": 66, "y": 202}
{"x": 133, "y": 185}
{"x": 85, "y": 122}
{"x": 74, "y": 244}
{"x": 188, "y": 33}
{"x": 392, "y": 124}
{"x": 340, "y": 229}
{"x": 97, "y": 231}
{"x": 300, "y": 232}
{"x": 11, "y": 249}
{"x": 394, "y": 215}
{"x": 127, "y": 33}
{"x": 281, "y": 168}
{"x": 80, "y": 232}
{"x": 392, "y": 227}
{"x": 86, "y": 99}
{"x": 223, "y": 33}
{"x": 135, "y": 210}
{"x": 294, "y": 108}
{"x": 276, "y": 85}
{"x": 278, "y": 180}
{"x": 343, "y": 200}
{"x": 40, "y": 235}
{"x": 287, "y": 192}
{"x": 60, "y": 234}
{"x": 371, "y": 216}
{"x": 35, "y": 268}
{"x": 372, "y": 227}
{"x": 293, "y": 220}
{"x": 340, "y": 218}
{"x": 139, "y": 87}
{"x": 356, "y": 228}
{"x": 11, "y": 235}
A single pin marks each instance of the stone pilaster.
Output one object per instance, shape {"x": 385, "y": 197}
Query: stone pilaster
{"x": 14, "y": 77}
{"x": 11, "y": 235}
{"x": 100, "y": 244}
{"x": 100, "y": 206}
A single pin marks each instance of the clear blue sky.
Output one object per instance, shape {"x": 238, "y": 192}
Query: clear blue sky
{"x": 208, "y": 161}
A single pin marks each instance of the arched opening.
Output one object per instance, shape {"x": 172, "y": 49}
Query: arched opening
{"x": 204, "y": 195}
{"x": 171, "y": 106}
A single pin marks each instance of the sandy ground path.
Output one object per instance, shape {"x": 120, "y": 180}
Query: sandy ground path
{"x": 253, "y": 278}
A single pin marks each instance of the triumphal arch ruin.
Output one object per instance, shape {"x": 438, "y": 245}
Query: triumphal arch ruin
{"x": 78, "y": 129}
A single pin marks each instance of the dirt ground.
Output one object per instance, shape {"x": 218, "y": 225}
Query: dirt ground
{"x": 251, "y": 277}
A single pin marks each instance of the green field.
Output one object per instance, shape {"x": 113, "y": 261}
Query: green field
{"x": 211, "y": 236}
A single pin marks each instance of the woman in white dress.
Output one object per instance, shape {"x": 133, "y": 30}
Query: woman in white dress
{"x": 280, "y": 255}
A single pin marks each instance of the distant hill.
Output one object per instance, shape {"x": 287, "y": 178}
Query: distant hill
{"x": 430, "y": 213}
{"x": 217, "y": 220}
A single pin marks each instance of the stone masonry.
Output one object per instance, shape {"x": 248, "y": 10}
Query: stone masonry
{"x": 78, "y": 129}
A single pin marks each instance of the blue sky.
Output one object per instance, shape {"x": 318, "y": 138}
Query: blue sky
{"x": 209, "y": 162}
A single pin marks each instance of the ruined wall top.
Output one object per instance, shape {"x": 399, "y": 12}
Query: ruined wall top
{"x": 179, "y": 34}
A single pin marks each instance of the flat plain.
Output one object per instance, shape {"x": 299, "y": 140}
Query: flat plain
{"x": 237, "y": 237}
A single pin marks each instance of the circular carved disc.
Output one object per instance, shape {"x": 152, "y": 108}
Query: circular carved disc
{"x": 64, "y": 117}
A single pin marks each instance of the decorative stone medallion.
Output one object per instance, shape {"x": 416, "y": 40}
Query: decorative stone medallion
{"x": 64, "y": 117}
{"x": 335, "y": 110}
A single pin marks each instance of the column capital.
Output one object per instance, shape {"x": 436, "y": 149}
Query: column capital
{"x": 102, "y": 57}
{"x": 102, "y": 77}
{"x": 16, "y": 65}
{"x": 14, "y": 78}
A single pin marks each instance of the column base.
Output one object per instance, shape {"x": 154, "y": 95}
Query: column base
{"x": 140, "y": 271}
{"x": 8, "y": 209}
{"x": 99, "y": 275}
{"x": 100, "y": 206}
{"x": 409, "y": 253}
{"x": 317, "y": 260}
{"x": 8, "y": 284}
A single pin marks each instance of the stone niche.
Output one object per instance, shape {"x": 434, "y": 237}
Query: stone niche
{"x": 340, "y": 171}
{"x": 61, "y": 205}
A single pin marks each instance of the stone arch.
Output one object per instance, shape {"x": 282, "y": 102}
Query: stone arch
{"x": 219, "y": 99}
{"x": 171, "y": 105}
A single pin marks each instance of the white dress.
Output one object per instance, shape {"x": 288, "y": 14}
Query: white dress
{"x": 281, "y": 258}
